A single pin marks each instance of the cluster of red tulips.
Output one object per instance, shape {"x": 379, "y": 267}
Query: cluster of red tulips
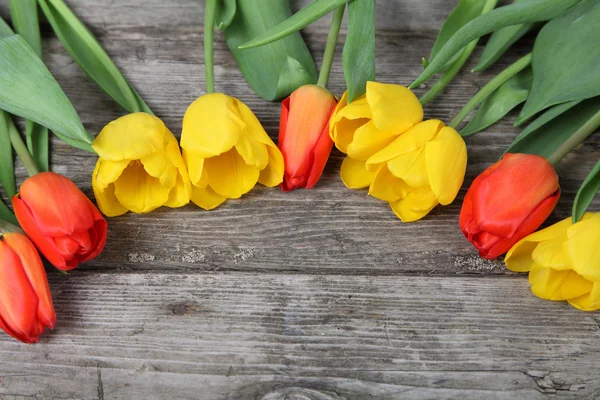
{"x": 66, "y": 228}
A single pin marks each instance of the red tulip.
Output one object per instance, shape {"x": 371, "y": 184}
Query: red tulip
{"x": 304, "y": 135}
{"x": 62, "y": 222}
{"x": 26, "y": 308}
{"x": 507, "y": 202}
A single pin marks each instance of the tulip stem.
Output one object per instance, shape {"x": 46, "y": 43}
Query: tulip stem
{"x": 490, "y": 87}
{"x": 209, "y": 62}
{"x": 22, "y": 152}
{"x": 332, "y": 38}
{"x": 576, "y": 138}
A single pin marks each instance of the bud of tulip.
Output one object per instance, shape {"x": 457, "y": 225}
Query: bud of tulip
{"x": 507, "y": 202}
{"x": 62, "y": 222}
{"x": 26, "y": 308}
{"x": 304, "y": 135}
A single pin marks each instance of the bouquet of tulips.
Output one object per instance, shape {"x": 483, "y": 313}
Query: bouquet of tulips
{"x": 412, "y": 163}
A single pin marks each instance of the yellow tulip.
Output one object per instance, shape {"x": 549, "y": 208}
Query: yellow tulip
{"x": 140, "y": 167}
{"x": 226, "y": 150}
{"x": 422, "y": 168}
{"x": 563, "y": 262}
{"x": 368, "y": 124}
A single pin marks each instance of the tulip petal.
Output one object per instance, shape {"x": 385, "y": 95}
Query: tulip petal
{"x": 395, "y": 108}
{"x": 415, "y": 205}
{"x": 550, "y": 254}
{"x": 321, "y": 153}
{"x": 446, "y": 164}
{"x": 107, "y": 172}
{"x": 386, "y": 186}
{"x": 589, "y": 301}
{"x": 206, "y": 198}
{"x": 229, "y": 176}
{"x": 181, "y": 192}
{"x": 346, "y": 119}
{"x": 583, "y": 247}
{"x": 195, "y": 167}
{"x": 211, "y": 125}
{"x": 355, "y": 175}
{"x": 550, "y": 284}
{"x": 411, "y": 168}
{"x": 139, "y": 192}
{"x": 272, "y": 175}
{"x": 108, "y": 202}
{"x": 253, "y": 152}
{"x": 368, "y": 140}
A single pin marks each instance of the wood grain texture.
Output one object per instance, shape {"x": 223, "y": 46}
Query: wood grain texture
{"x": 314, "y": 294}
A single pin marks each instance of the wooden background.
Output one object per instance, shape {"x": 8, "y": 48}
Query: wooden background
{"x": 315, "y": 294}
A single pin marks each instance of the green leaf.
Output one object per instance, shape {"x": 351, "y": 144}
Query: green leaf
{"x": 499, "y": 42}
{"x": 586, "y": 193}
{"x": 5, "y": 30}
{"x": 7, "y": 169}
{"x": 27, "y": 89}
{"x": 91, "y": 57}
{"x": 24, "y": 14}
{"x": 548, "y": 137}
{"x": 530, "y": 11}
{"x": 358, "y": 56}
{"x": 548, "y": 116}
{"x": 464, "y": 12}
{"x": 306, "y": 16}
{"x": 512, "y": 93}
{"x": 566, "y": 56}
{"x": 274, "y": 70}
{"x": 7, "y": 215}
{"x": 225, "y": 13}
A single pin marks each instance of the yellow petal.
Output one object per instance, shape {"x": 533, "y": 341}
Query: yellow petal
{"x": 272, "y": 175}
{"x": 195, "y": 167}
{"x": 130, "y": 137}
{"x": 550, "y": 284}
{"x": 346, "y": 119}
{"x": 107, "y": 172}
{"x": 519, "y": 257}
{"x": 138, "y": 191}
{"x": 182, "y": 191}
{"x": 415, "y": 205}
{"x": 583, "y": 247}
{"x": 395, "y": 108}
{"x": 355, "y": 175}
{"x": 252, "y": 151}
{"x": 211, "y": 125}
{"x": 386, "y": 186}
{"x": 367, "y": 141}
{"x": 550, "y": 254}
{"x": 589, "y": 301}
{"x": 446, "y": 164}
{"x": 229, "y": 176}
{"x": 413, "y": 139}
{"x": 411, "y": 168}
{"x": 105, "y": 196}
{"x": 206, "y": 198}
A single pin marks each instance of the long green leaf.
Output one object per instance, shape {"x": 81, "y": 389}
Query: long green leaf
{"x": 566, "y": 56}
{"x": 24, "y": 14}
{"x": 358, "y": 56}
{"x": 499, "y": 42}
{"x": 91, "y": 57}
{"x": 547, "y": 116}
{"x": 463, "y": 13}
{"x": 7, "y": 169}
{"x": 586, "y": 193}
{"x": 299, "y": 20}
{"x": 277, "y": 69}
{"x": 7, "y": 215}
{"x": 29, "y": 90}
{"x": 225, "y": 13}
{"x": 548, "y": 138}
{"x": 530, "y": 11}
{"x": 512, "y": 93}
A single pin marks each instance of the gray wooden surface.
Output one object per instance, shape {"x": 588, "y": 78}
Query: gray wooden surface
{"x": 315, "y": 294}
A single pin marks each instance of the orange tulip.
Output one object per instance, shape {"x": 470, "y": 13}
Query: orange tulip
{"x": 26, "y": 308}
{"x": 304, "y": 135}
{"x": 507, "y": 202}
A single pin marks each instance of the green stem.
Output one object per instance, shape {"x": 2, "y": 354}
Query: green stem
{"x": 6, "y": 214}
{"x": 450, "y": 74}
{"x": 21, "y": 149}
{"x": 6, "y": 227}
{"x": 488, "y": 89}
{"x": 576, "y": 138}
{"x": 209, "y": 63}
{"x": 332, "y": 37}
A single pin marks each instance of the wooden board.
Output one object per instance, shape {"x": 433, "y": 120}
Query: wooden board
{"x": 320, "y": 294}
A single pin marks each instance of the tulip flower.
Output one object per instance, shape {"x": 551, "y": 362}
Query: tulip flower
{"x": 140, "y": 167}
{"x": 507, "y": 202}
{"x": 562, "y": 261}
{"x": 304, "y": 135}
{"x": 368, "y": 124}
{"x": 422, "y": 168}
{"x": 26, "y": 308}
{"x": 226, "y": 150}
{"x": 62, "y": 222}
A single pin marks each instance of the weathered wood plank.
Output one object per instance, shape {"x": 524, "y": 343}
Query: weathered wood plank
{"x": 236, "y": 335}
